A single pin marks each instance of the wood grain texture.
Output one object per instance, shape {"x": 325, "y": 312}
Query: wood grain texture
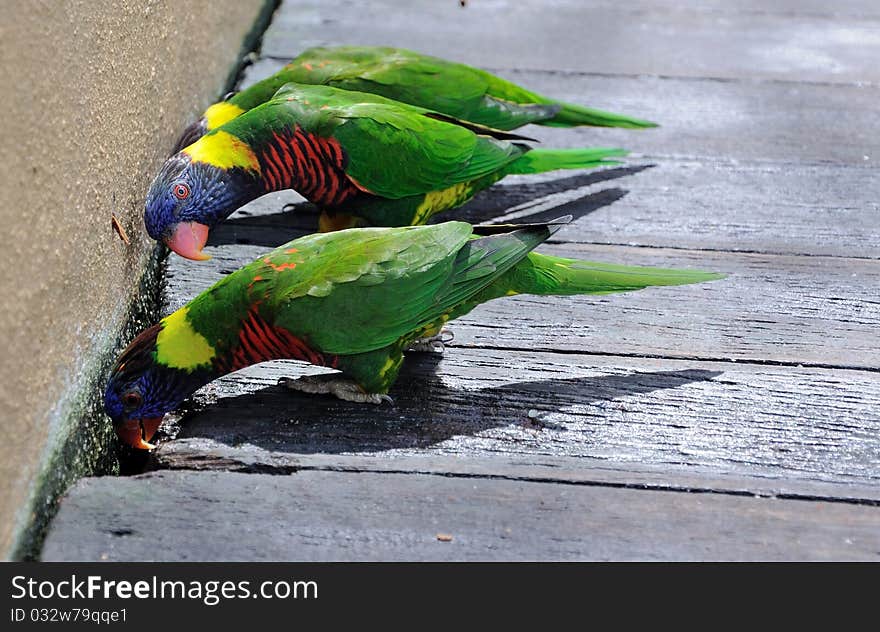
{"x": 779, "y": 422}
{"x": 765, "y": 208}
{"x": 809, "y": 310}
{"x": 810, "y": 41}
{"x": 315, "y": 515}
{"x": 773, "y": 209}
{"x": 729, "y": 121}
{"x": 201, "y": 454}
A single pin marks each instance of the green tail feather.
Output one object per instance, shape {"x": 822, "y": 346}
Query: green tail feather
{"x": 541, "y": 160}
{"x": 546, "y": 275}
{"x": 571, "y": 115}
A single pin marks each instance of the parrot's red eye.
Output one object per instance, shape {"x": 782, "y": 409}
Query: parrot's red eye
{"x": 132, "y": 399}
{"x": 181, "y": 191}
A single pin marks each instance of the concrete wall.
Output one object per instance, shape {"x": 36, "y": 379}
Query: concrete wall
{"x": 92, "y": 95}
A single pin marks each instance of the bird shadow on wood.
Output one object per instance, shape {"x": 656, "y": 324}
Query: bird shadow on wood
{"x": 295, "y": 220}
{"x": 499, "y": 200}
{"x": 426, "y": 411}
{"x": 271, "y": 230}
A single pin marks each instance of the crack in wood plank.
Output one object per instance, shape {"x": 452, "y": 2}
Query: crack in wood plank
{"x": 208, "y": 455}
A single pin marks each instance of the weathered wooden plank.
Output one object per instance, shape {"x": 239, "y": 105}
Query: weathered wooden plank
{"x": 208, "y": 455}
{"x": 811, "y": 310}
{"x": 749, "y": 420}
{"x": 315, "y": 515}
{"x": 781, "y": 8}
{"x": 781, "y": 209}
{"x": 660, "y": 38}
{"x": 731, "y": 121}
{"x": 775, "y": 209}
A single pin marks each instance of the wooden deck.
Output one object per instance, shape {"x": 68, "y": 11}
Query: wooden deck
{"x": 733, "y": 420}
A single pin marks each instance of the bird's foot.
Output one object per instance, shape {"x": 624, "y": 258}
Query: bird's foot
{"x": 333, "y": 385}
{"x": 434, "y": 344}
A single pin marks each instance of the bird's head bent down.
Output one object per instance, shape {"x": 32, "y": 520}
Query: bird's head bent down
{"x": 190, "y": 195}
{"x": 142, "y": 389}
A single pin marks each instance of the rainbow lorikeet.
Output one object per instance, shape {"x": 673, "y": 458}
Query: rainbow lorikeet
{"x": 455, "y": 89}
{"x": 353, "y": 300}
{"x": 366, "y": 160}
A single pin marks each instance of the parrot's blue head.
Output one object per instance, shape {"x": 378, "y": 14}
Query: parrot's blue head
{"x": 141, "y": 390}
{"x": 189, "y": 197}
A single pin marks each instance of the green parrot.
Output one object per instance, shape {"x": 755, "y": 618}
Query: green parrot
{"x": 366, "y": 160}
{"x": 455, "y": 89}
{"x": 353, "y": 300}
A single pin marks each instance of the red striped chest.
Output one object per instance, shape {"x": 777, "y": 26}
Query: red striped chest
{"x": 311, "y": 165}
{"x": 259, "y": 341}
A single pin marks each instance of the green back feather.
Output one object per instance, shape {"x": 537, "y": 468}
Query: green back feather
{"x": 458, "y": 90}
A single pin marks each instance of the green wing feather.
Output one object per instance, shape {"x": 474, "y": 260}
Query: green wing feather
{"x": 428, "y": 155}
{"x": 344, "y": 293}
{"x": 394, "y": 150}
{"x": 366, "y": 289}
{"x": 360, "y": 290}
{"x": 395, "y": 73}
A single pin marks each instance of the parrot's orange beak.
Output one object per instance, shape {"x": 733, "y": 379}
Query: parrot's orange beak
{"x": 138, "y": 432}
{"x": 188, "y": 239}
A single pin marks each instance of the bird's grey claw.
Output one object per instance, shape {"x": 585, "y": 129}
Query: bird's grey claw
{"x": 434, "y": 344}
{"x": 341, "y": 388}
